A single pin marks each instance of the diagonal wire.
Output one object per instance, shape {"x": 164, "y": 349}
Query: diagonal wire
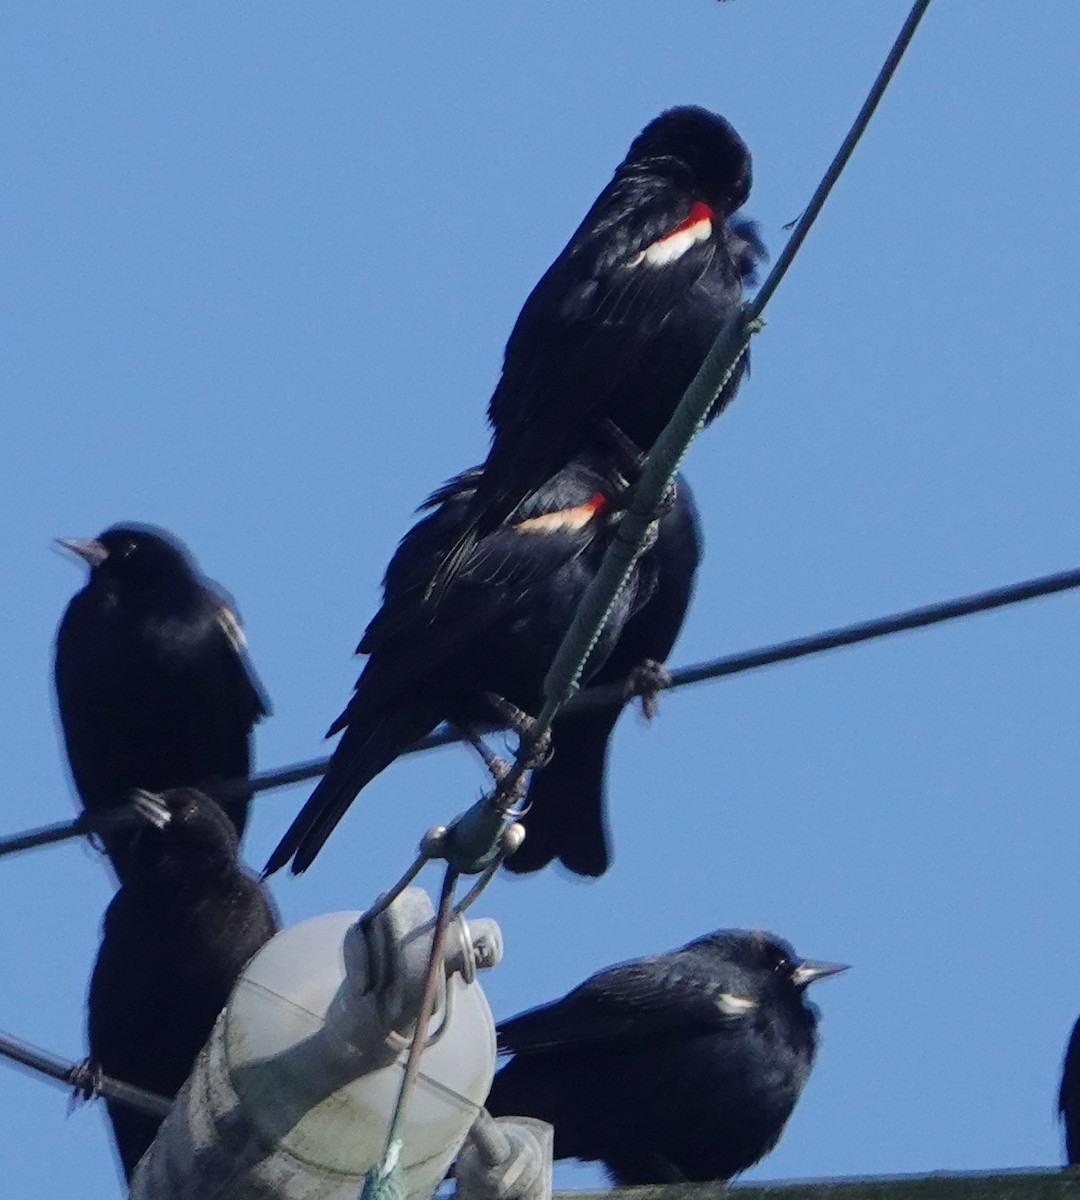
{"x": 379, "y": 1180}
{"x": 69, "y": 1073}
{"x": 469, "y": 844}
{"x": 562, "y": 681}
{"x": 563, "y": 678}
{"x": 840, "y": 160}
{"x": 473, "y": 829}
{"x": 661, "y": 464}
{"x": 614, "y": 695}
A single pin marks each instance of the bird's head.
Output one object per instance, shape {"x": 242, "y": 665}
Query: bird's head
{"x": 691, "y": 141}
{"x": 762, "y": 965}
{"x": 134, "y": 558}
{"x": 184, "y": 830}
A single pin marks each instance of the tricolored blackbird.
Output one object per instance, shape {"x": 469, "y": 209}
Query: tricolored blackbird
{"x": 681, "y": 1066}
{"x": 622, "y": 319}
{"x": 1069, "y": 1097}
{"x": 176, "y": 936}
{"x": 152, "y": 678}
{"x": 566, "y": 800}
{"x": 492, "y": 633}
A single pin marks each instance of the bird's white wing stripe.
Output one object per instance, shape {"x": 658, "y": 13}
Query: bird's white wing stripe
{"x": 673, "y": 245}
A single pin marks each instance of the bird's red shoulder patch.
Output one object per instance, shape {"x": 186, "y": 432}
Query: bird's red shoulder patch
{"x": 566, "y": 519}
{"x": 695, "y": 228}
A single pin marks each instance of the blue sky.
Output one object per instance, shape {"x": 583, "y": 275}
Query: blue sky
{"x": 260, "y": 262}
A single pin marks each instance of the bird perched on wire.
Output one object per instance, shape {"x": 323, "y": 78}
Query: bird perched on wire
{"x": 479, "y": 653}
{"x": 153, "y": 681}
{"x": 623, "y": 318}
{"x": 176, "y": 936}
{"x": 566, "y": 800}
{"x": 1069, "y": 1097}
{"x": 681, "y": 1066}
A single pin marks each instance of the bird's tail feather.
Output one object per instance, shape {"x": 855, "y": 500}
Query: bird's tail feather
{"x": 366, "y": 749}
{"x": 566, "y": 801}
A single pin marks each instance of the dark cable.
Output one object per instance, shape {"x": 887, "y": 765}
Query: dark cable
{"x": 839, "y": 162}
{"x": 613, "y": 695}
{"x": 73, "y": 1074}
{"x": 114, "y": 818}
{"x": 849, "y": 635}
{"x": 473, "y": 835}
{"x": 660, "y": 464}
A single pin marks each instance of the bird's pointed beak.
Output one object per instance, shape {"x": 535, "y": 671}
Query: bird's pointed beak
{"x": 90, "y": 550}
{"x": 809, "y": 971}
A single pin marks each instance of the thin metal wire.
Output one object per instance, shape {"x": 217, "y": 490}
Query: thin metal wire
{"x": 613, "y": 695}
{"x": 122, "y": 817}
{"x": 443, "y": 916}
{"x": 661, "y": 464}
{"x": 663, "y": 459}
{"x": 44, "y": 835}
{"x": 840, "y": 160}
{"x": 383, "y": 902}
{"x": 482, "y": 881}
{"x": 563, "y": 678}
{"x": 69, "y": 1073}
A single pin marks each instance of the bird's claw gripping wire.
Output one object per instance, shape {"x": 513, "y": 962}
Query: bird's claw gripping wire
{"x": 646, "y": 681}
{"x": 151, "y": 807}
{"x": 539, "y": 751}
{"x": 631, "y": 461}
{"x": 86, "y": 1079}
{"x": 498, "y": 767}
{"x": 629, "y": 456}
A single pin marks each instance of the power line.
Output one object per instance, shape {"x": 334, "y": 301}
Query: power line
{"x": 470, "y": 832}
{"x": 659, "y": 470}
{"x": 81, "y": 1077}
{"x": 864, "y": 631}
{"x": 470, "y": 844}
{"x": 840, "y": 160}
{"x": 612, "y": 695}
{"x": 124, "y": 816}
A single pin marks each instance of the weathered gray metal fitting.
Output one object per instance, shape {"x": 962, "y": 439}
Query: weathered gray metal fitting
{"x": 505, "y": 1158}
{"x": 389, "y": 955}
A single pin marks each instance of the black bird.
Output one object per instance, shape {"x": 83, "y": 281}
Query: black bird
{"x": 622, "y": 319}
{"x": 492, "y": 633}
{"x": 176, "y": 936}
{"x": 1069, "y": 1097}
{"x": 565, "y": 800}
{"x": 681, "y": 1066}
{"x": 154, "y": 685}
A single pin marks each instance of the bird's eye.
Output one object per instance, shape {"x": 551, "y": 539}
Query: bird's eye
{"x": 128, "y": 549}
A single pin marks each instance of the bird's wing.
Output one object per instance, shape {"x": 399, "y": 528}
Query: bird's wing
{"x": 586, "y": 332}
{"x": 252, "y": 702}
{"x": 415, "y": 631}
{"x": 600, "y": 295}
{"x": 88, "y": 721}
{"x": 1069, "y": 1094}
{"x": 646, "y": 998}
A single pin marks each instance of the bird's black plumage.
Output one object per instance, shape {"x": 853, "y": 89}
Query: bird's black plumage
{"x": 681, "y": 1066}
{"x": 153, "y": 683}
{"x": 622, "y": 319}
{"x": 1069, "y": 1097}
{"x": 176, "y": 935}
{"x": 494, "y": 628}
{"x": 566, "y": 800}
